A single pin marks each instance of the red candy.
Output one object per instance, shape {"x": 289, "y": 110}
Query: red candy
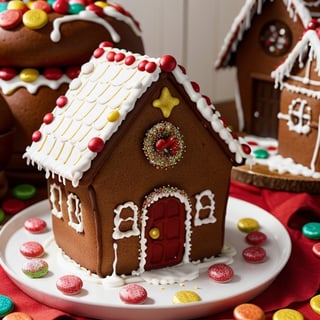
{"x": 73, "y": 72}
{"x": 13, "y": 206}
{"x": 7, "y": 73}
{"x": 69, "y": 284}
{"x": 35, "y": 225}
{"x": 96, "y": 144}
{"x": 316, "y": 249}
{"x": 256, "y": 238}
{"x": 47, "y": 119}
{"x": 10, "y": 18}
{"x": 61, "y": 6}
{"x": 220, "y": 272}
{"x": 31, "y": 249}
{"x": 133, "y": 294}
{"x": 168, "y": 63}
{"x": 53, "y": 73}
{"x": 61, "y": 101}
{"x": 254, "y": 254}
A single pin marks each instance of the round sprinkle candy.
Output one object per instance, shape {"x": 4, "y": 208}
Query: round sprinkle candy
{"x": 316, "y": 249}
{"x": 315, "y": 303}
{"x": 256, "y": 238}
{"x": 6, "y": 305}
{"x": 35, "y": 225}
{"x": 17, "y": 316}
{"x": 284, "y": 314}
{"x": 254, "y": 254}
{"x": 31, "y": 249}
{"x": 311, "y": 230}
{"x": 69, "y": 284}
{"x": 35, "y": 19}
{"x": 133, "y": 293}
{"x": 10, "y": 18}
{"x": 24, "y": 191}
{"x": 35, "y": 268}
{"x": 13, "y": 206}
{"x": 185, "y": 296}
{"x": 220, "y": 272}
{"x": 248, "y": 225}
{"x": 248, "y": 311}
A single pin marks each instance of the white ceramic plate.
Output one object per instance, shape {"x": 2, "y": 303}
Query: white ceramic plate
{"x": 98, "y": 301}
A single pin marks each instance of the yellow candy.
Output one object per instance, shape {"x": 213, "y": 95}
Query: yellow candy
{"x": 113, "y": 116}
{"x": 15, "y": 5}
{"x": 29, "y": 75}
{"x": 315, "y": 303}
{"x": 154, "y": 233}
{"x": 35, "y": 18}
{"x": 287, "y": 314}
{"x": 185, "y": 296}
{"x": 248, "y": 225}
{"x": 101, "y": 4}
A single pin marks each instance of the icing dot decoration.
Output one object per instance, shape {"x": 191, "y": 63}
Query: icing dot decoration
{"x": 96, "y": 144}
{"x": 167, "y": 63}
{"x": 163, "y": 145}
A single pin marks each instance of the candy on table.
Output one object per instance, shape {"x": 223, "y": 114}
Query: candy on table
{"x": 315, "y": 303}
{"x": 17, "y": 316}
{"x": 287, "y": 313}
{"x": 133, "y": 293}
{"x": 316, "y": 249}
{"x": 185, "y": 296}
{"x": 2, "y": 216}
{"x": 24, "y": 191}
{"x": 311, "y": 230}
{"x": 254, "y": 254}
{"x": 220, "y": 272}
{"x": 69, "y": 284}
{"x": 246, "y": 311}
{"x": 6, "y": 305}
{"x": 13, "y": 206}
{"x": 248, "y": 225}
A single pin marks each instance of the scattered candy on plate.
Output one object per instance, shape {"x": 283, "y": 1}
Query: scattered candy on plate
{"x": 315, "y": 303}
{"x": 254, "y": 254}
{"x": 69, "y": 284}
{"x": 31, "y": 249}
{"x": 133, "y": 293}
{"x": 35, "y": 225}
{"x": 256, "y": 238}
{"x": 248, "y": 225}
{"x": 220, "y": 272}
{"x": 185, "y": 296}
{"x": 35, "y": 268}
{"x": 17, "y": 316}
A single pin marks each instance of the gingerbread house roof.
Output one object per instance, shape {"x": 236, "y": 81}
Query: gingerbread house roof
{"x": 296, "y": 9}
{"x": 96, "y": 104}
{"x": 306, "y": 48}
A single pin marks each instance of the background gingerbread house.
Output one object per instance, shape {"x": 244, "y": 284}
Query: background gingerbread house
{"x": 299, "y": 80}
{"x": 138, "y": 163}
{"x": 260, "y": 37}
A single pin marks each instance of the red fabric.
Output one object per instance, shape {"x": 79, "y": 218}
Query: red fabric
{"x": 293, "y": 288}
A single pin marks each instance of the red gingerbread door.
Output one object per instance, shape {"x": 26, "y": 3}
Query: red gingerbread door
{"x": 165, "y": 233}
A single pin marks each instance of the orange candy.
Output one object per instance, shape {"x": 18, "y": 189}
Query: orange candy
{"x": 248, "y": 311}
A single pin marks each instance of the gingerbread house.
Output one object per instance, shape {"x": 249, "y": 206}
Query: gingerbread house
{"x": 138, "y": 164}
{"x": 260, "y": 37}
{"x": 298, "y": 77}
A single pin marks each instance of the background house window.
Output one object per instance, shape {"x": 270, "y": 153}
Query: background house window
{"x": 126, "y": 221}
{"x": 276, "y": 38}
{"x": 205, "y": 205}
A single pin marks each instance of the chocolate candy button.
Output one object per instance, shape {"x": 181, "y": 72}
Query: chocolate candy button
{"x": 35, "y": 18}
{"x": 185, "y": 296}
{"x": 315, "y": 303}
{"x": 6, "y": 305}
{"x": 256, "y": 238}
{"x": 316, "y": 249}
{"x": 311, "y": 230}
{"x": 284, "y": 314}
{"x": 254, "y": 254}
{"x": 220, "y": 272}
{"x": 248, "y": 225}
{"x": 13, "y": 206}
{"x": 10, "y": 19}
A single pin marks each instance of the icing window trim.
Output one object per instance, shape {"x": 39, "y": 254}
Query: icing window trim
{"x": 117, "y": 233}
{"x": 210, "y": 218}
{"x": 55, "y": 192}
{"x": 75, "y": 212}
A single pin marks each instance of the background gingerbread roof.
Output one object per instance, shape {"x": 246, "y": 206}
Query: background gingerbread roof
{"x": 307, "y": 47}
{"x": 96, "y": 104}
{"x": 296, "y": 10}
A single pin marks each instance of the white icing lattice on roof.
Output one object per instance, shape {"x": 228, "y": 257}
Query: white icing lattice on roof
{"x": 242, "y": 23}
{"x": 96, "y": 104}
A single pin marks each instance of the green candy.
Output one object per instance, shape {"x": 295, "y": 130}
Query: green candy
{"x": 24, "y": 191}
{"x": 261, "y": 154}
{"x": 6, "y": 305}
{"x": 311, "y": 230}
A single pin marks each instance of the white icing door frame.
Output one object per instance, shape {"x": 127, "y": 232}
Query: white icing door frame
{"x": 193, "y": 31}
